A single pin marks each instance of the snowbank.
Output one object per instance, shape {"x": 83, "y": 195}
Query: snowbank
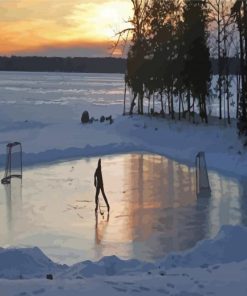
{"x": 107, "y": 266}
{"x": 229, "y": 246}
{"x": 26, "y": 263}
{"x": 212, "y": 267}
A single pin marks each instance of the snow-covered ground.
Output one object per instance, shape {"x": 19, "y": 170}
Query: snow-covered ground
{"x": 43, "y": 112}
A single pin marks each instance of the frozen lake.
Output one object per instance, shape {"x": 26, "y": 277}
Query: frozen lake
{"x": 36, "y": 92}
{"x": 60, "y": 88}
{"x": 154, "y": 208}
{"x": 45, "y": 99}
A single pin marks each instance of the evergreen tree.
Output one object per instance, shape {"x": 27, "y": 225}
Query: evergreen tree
{"x": 163, "y": 17}
{"x": 239, "y": 11}
{"x": 197, "y": 67}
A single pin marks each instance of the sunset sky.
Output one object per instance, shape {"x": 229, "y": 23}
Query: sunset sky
{"x": 61, "y": 27}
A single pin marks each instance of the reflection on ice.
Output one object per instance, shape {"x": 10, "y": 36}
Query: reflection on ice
{"x": 101, "y": 224}
{"x": 13, "y": 201}
{"x": 154, "y": 208}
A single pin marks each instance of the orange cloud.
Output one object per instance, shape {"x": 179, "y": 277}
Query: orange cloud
{"x": 29, "y": 25}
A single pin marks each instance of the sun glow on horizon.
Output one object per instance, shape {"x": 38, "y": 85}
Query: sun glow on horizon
{"x": 102, "y": 21}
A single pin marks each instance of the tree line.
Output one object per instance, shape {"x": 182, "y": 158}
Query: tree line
{"x": 173, "y": 44}
{"x": 84, "y": 64}
{"x": 59, "y": 64}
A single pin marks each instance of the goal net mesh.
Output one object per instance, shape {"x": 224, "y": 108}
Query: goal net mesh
{"x": 202, "y": 181}
{"x": 13, "y": 167}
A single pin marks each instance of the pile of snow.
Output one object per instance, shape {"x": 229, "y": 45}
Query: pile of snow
{"x": 109, "y": 266}
{"x": 26, "y": 263}
{"x": 229, "y": 245}
{"x": 74, "y": 152}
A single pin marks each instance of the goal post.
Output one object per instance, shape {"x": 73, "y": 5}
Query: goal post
{"x": 13, "y": 167}
{"x": 202, "y": 181}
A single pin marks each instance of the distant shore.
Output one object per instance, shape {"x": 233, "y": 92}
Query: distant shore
{"x": 82, "y": 64}
{"x": 59, "y": 64}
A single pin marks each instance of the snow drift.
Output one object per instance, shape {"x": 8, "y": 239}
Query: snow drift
{"x": 26, "y": 263}
{"x": 228, "y": 246}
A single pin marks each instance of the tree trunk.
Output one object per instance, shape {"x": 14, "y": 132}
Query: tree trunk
{"x": 193, "y": 110}
{"x": 238, "y": 95}
{"x": 149, "y": 99}
{"x": 179, "y": 106}
{"x": 124, "y": 110}
{"x": 140, "y": 102}
{"x": 153, "y": 102}
{"x": 161, "y": 102}
{"x": 172, "y": 103}
{"x": 169, "y": 102}
{"x": 228, "y": 94}
{"x": 188, "y": 102}
{"x": 205, "y": 110}
{"x": 132, "y": 105}
{"x": 182, "y": 102}
{"x": 219, "y": 62}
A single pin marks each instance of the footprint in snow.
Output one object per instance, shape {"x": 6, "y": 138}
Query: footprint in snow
{"x": 128, "y": 283}
{"x": 144, "y": 288}
{"x": 120, "y": 289}
{"x": 163, "y": 291}
{"x": 185, "y": 274}
{"x": 136, "y": 291}
{"x": 111, "y": 283}
{"x": 39, "y": 291}
{"x": 169, "y": 285}
{"x": 185, "y": 293}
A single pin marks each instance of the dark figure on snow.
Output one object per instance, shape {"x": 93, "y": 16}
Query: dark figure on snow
{"x": 98, "y": 183}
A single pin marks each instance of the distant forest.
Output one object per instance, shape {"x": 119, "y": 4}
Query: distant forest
{"x": 58, "y": 64}
{"x": 83, "y": 64}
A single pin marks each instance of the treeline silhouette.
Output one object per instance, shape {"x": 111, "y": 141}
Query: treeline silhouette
{"x": 83, "y": 65}
{"x": 59, "y": 64}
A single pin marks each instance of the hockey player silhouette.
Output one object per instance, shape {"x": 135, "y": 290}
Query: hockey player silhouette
{"x": 98, "y": 183}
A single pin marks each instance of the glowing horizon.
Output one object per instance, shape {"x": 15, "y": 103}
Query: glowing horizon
{"x": 43, "y": 26}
